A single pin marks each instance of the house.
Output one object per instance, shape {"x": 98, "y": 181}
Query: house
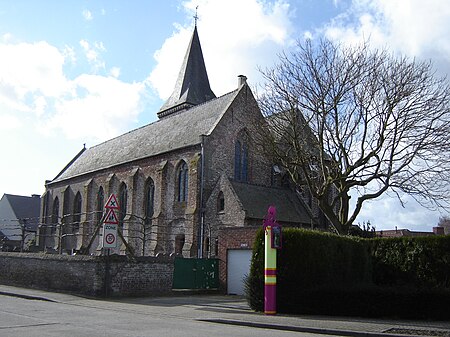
{"x": 19, "y": 218}
{"x": 396, "y": 233}
{"x": 178, "y": 181}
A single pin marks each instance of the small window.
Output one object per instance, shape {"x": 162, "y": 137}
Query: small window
{"x": 216, "y": 247}
{"x": 220, "y": 202}
{"x": 241, "y": 161}
{"x": 100, "y": 204}
{"x": 77, "y": 212}
{"x": 182, "y": 182}
{"x": 179, "y": 244}
{"x": 206, "y": 249}
{"x": 55, "y": 216}
{"x": 123, "y": 196}
{"x": 149, "y": 201}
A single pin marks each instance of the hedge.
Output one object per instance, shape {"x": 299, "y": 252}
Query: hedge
{"x": 422, "y": 262}
{"x": 309, "y": 259}
{"x": 322, "y": 273}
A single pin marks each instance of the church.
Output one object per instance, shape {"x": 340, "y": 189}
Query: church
{"x": 178, "y": 180}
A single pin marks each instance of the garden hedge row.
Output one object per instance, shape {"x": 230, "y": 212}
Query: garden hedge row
{"x": 322, "y": 273}
{"x": 413, "y": 261}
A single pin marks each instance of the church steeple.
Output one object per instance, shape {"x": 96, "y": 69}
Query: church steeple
{"x": 192, "y": 86}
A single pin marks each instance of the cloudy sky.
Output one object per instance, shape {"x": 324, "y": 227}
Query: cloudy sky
{"x": 80, "y": 72}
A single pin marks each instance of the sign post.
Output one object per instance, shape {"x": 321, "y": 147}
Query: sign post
{"x": 110, "y": 223}
{"x": 272, "y": 242}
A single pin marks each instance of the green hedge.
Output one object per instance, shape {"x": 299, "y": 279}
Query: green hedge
{"x": 321, "y": 273}
{"x": 413, "y": 261}
{"x": 371, "y": 301}
{"x": 309, "y": 259}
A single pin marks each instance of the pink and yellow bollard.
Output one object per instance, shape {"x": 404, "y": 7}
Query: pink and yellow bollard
{"x": 272, "y": 242}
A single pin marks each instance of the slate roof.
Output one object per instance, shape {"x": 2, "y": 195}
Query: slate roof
{"x": 25, "y": 208}
{"x": 175, "y": 132}
{"x": 393, "y": 233}
{"x": 192, "y": 86}
{"x": 256, "y": 199}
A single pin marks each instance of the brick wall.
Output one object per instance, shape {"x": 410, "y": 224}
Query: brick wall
{"x": 88, "y": 275}
{"x": 233, "y": 238}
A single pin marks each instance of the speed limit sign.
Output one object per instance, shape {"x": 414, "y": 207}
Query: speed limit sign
{"x": 109, "y": 235}
{"x": 110, "y": 238}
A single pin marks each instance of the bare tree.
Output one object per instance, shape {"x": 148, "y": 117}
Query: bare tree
{"x": 352, "y": 121}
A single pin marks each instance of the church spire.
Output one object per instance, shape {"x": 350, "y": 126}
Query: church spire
{"x": 192, "y": 86}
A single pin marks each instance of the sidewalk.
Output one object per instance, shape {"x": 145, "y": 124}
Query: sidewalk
{"x": 217, "y": 309}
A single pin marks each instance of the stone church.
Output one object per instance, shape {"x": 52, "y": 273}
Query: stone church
{"x": 177, "y": 180}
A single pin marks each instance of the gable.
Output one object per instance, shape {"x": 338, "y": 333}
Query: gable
{"x": 24, "y": 207}
{"x": 16, "y": 210}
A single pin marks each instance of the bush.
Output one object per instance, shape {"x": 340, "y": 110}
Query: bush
{"x": 309, "y": 259}
{"x": 414, "y": 261}
{"x": 321, "y": 273}
{"x": 371, "y": 301}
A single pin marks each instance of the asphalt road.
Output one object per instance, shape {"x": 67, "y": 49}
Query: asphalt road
{"x": 87, "y": 317}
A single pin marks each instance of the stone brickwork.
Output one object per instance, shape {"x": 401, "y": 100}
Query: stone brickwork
{"x": 233, "y": 238}
{"x": 88, "y": 275}
{"x": 170, "y": 217}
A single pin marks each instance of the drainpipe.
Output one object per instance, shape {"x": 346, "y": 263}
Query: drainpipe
{"x": 201, "y": 213}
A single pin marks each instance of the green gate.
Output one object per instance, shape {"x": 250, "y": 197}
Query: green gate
{"x": 196, "y": 274}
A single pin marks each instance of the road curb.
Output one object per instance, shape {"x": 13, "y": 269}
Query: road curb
{"x": 27, "y": 297}
{"x": 322, "y": 331}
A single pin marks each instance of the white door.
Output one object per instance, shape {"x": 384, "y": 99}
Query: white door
{"x": 238, "y": 267}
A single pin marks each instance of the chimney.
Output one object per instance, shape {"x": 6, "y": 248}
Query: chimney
{"x": 35, "y": 195}
{"x": 241, "y": 80}
{"x": 438, "y": 230}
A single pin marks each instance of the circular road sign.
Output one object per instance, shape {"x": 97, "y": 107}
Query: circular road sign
{"x": 110, "y": 238}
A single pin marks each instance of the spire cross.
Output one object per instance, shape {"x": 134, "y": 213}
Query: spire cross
{"x": 196, "y": 16}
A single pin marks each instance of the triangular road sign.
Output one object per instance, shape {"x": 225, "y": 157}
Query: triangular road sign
{"x": 111, "y": 218}
{"x": 112, "y": 202}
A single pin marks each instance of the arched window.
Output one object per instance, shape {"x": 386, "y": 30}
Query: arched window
{"x": 76, "y": 212}
{"x": 100, "y": 204}
{"x": 220, "y": 202}
{"x": 241, "y": 161}
{"x": 123, "y": 195}
{"x": 179, "y": 244}
{"x": 182, "y": 177}
{"x": 149, "y": 201}
{"x": 237, "y": 160}
{"x": 55, "y": 215}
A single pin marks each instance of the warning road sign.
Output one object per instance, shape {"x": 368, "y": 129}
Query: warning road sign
{"x": 110, "y": 223}
{"x": 112, "y": 202}
{"x": 111, "y": 217}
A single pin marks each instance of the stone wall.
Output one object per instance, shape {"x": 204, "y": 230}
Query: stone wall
{"x": 88, "y": 275}
{"x": 162, "y": 170}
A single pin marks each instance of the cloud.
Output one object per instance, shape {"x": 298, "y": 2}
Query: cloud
{"x": 69, "y": 54}
{"x": 386, "y": 212}
{"x": 9, "y": 122}
{"x": 415, "y": 28}
{"x": 87, "y": 15}
{"x": 92, "y": 53}
{"x": 115, "y": 72}
{"x": 99, "y": 109}
{"x": 30, "y": 68}
{"x": 233, "y": 42}
{"x": 34, "y": 90}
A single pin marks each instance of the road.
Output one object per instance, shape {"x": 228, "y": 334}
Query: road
{"x": 79, "y": 317}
